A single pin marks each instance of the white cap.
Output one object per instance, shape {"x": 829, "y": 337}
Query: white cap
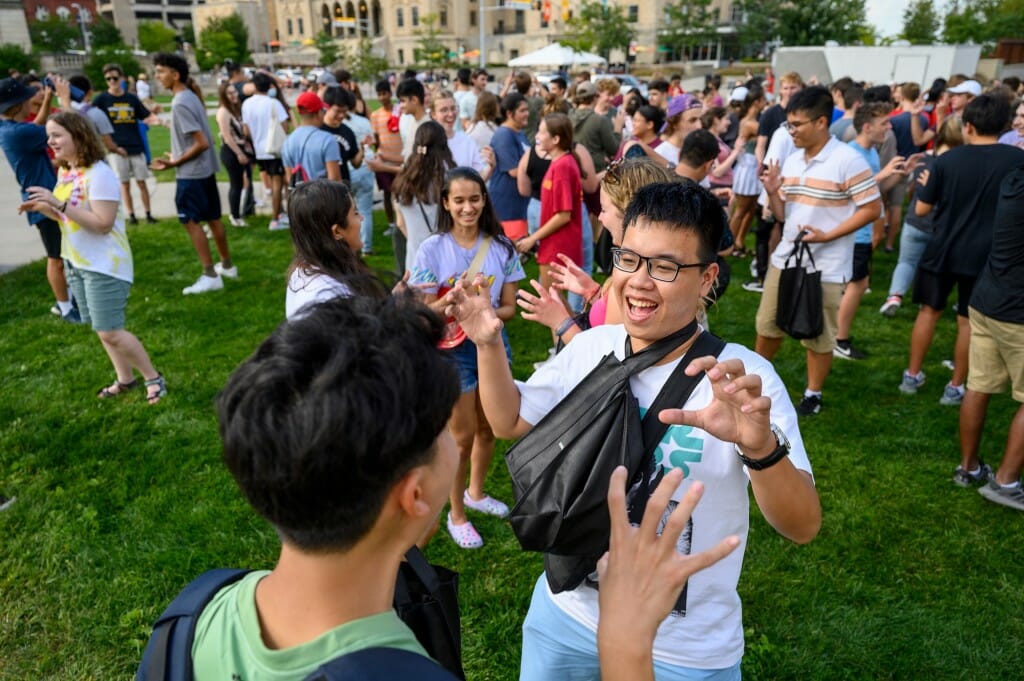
{"x": 968, "y": 87}
{"x": 738, "y": 94}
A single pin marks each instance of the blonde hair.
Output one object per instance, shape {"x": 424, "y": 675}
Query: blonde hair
{"x": 625, "y": 178}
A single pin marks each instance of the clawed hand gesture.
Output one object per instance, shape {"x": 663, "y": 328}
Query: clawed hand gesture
{"x": 737, "y": 413}
{"x": 568, "y": 276}
{"x": 470, "y": 305}
{"x": 546, "y": 307}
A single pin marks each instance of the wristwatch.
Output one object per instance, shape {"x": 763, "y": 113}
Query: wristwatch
{"x": 777, "y": 455}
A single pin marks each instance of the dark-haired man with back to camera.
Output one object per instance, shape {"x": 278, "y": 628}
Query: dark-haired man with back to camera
{"x": 737, "y": 428}
{"x": 962, "y": 190}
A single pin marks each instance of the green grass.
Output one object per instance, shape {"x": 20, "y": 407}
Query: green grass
{"x": 119, "y": 504}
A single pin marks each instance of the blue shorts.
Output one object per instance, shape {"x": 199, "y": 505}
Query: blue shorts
{"x": 198, "y": 200}
{"x": 102, "y": 299}
{"x": 464, "y": 356}
{"x": 558, "y": 648}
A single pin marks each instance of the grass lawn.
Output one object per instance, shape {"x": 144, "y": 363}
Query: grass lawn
{"x": 121, "y": 504}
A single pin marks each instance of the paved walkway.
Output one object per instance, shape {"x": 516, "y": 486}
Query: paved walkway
{"x": 20, "y": 243}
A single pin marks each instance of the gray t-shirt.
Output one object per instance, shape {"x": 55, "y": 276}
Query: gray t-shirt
{"x": 99, "y": 119}
{"x": 187, "y": 116}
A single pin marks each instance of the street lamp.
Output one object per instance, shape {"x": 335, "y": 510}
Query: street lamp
{"x": 81, "y": 23}
{"x": 516, "y": 5}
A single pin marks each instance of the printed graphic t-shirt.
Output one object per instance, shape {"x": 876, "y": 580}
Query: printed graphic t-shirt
{"x": 441, "y": 261}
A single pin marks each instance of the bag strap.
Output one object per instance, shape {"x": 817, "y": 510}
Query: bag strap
{"x": 168, "y": 654}
{"x": 655, "y": 352}
{"x": 800, "y": 248}
{"x": 478, "y": 260}
{"x": 381, "y": 663}
{"x": 426, "y": 218}
{"x": 427, "y": 575}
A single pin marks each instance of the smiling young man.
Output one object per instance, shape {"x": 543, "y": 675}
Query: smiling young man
{"x": 663, "y": 270}
{"x": 824, "y": 191}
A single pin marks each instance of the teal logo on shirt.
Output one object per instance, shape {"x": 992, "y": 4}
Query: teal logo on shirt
{"x": 678, "y": 448}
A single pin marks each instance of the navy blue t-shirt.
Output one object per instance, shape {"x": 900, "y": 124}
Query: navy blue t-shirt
{"x": 904, "y": 137}
{"x": 509, "y": 146}
{"x": 24, "y": 144}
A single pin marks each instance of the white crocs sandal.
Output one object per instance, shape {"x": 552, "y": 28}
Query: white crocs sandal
{"x": 488, "y": 505}
{"x": 465, "y": 535}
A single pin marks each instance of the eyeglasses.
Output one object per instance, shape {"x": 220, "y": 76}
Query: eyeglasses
{"x": 661, "y": 269}
{"x": 796, "y": 125}
{"x": 111, "y": 79}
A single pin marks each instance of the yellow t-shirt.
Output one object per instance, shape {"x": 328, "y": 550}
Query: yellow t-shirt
{"x": 109, "y": 253}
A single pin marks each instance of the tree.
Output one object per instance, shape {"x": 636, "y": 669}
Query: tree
{"x": 920, "y": 22}
{"x": 156, "y": 36}
{"x": 430, "y": 51}
{"x": 329, "y": 49}
{"x": 14, "y": 57}
{"x": 796, "y": 22}
{"x": 364, "y": 64}
{"x": 54, "y": 34}
{"x": 983, "y": 21}
{"x": 111, "y": 54}
{"x": 223, "y": 38}
{"x": 688, "y": 23}
{"x": 600, "y": 28}
{"x": 105, "y": 34}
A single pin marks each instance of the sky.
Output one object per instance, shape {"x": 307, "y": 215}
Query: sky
{"x": 886, "y": 16}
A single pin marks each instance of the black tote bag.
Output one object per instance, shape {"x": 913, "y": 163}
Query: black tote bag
{"x": 799, "y": 312}
{"x": 427, "y": 600}
{"x": 561, "y": 468}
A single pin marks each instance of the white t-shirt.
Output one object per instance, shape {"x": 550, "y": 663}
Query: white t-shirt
{"x": 710, "y": 633}
{"x": 779, "y": 149}
{"x": 142, "y": 89}
{"x": 668, "y": 151}
{"x": 465, "y": 151}
{"x": 108, "y": 253}
{"x": 481, "y": 132}
{"x": 360, "y": 127}
{"x": 309, "y": 289}
{"x": 407, "y": 127}
{"x": 257, "y": 112}
{"x": 417, "y": 227}
{"x": 441, "y": 261}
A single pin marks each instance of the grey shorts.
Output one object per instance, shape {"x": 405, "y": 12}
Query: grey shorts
{"x": 102, "y": 299}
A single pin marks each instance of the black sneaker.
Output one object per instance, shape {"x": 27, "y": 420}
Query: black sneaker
{"x": 132, "y": 220}
{"x": 150, "y": 219}
{"x": 845, "y": 350}
{"x": 810, "y": 405}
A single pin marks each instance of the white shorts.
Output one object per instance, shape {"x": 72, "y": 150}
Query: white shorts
{"x": 129, "y": 167}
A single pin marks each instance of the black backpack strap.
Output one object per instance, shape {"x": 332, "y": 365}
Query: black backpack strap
{"x": 168, "y": 654}
{"x": 674, "y": 394}
{"x": 374, "y": 664}
{"x": 656, "y": 351}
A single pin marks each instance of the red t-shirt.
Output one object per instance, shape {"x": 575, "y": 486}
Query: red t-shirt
{"x": 562, "y": 190}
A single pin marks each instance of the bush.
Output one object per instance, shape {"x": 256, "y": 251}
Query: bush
{"x": 14, "y": 57}
{"x": 114, "y": 54}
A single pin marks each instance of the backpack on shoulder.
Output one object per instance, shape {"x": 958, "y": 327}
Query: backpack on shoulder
{"x": 426, "y": 599}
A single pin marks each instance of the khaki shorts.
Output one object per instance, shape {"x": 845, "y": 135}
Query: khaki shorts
{"x": 832, "y": 293}
{"x": 128, "y": 167}
{"x": 996, "y": 356}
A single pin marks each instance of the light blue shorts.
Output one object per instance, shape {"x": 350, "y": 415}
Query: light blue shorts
{"x": 102, "y": 299}
{"x": 558, "y": 648}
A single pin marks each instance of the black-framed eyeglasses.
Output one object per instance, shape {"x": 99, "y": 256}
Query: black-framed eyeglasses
{"x": 662, "y": 269}
{"x": 793, "y": 126}
{"x": 111, "y": 79}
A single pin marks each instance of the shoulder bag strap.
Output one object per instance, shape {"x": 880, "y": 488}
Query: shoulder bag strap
{"x": 426, "y": 218}
{"x": 654, "y": 353}
{"x": 478, "y": 260}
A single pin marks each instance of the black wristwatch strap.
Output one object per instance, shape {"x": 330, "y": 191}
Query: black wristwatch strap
{"x": 777, "y": 455}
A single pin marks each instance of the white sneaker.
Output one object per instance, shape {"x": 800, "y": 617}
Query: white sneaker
{"x": 237, "y": 222}
{"x": 229, "y": 272}
{"x": 283, "y": 219}
{"x": 204, "y": 284}
{"x": 277, "y": 226}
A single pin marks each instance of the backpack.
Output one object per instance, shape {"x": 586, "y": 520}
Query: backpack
{"x": 168, "y": 654}
{"x": 298, "y": 173}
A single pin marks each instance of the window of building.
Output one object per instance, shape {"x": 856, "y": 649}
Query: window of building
{"x": 520, "y": 22}
{"x": 401, "y": 55}
{"x": 290, "y": 27}
{"x": 443, "y": 16}
{"x": 736, "y": 13}
{"x": 400, "y": 19}
{"x": 302, "y": 30}
{"x": 415, "y": 16}
{"x": 633, "y": 13}
{"x": 472, "y": 17}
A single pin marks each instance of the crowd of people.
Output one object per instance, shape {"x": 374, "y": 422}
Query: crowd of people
{"x": 660, "y": 192}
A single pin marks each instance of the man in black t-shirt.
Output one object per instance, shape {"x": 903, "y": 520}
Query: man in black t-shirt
{"x": 339, "y": 102}
{"x": 997, "y": 350}
{"x": 962, "y": 190}
{"x": 125, "y": 112}
{"x": 775, "y": 115}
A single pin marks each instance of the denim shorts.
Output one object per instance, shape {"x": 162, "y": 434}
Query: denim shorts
{"x": 102, "y": 299}
{"x": 464, "y": 356}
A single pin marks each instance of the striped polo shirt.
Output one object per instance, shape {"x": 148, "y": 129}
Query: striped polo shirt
{"x": 823, "y": 192}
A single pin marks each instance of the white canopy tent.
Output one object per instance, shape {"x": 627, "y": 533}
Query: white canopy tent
{"x": 557, "y": 54}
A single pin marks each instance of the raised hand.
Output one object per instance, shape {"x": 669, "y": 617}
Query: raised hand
{"x": 771, "y": 178}
{"x": 737, "y": 413}
{"x": 470, "y": 305}
{"x": 546, "y": 307}
{"x": 568, "y": 276}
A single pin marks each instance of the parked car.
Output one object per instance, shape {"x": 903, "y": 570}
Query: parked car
{"x": 313, "y": 75}
{"x": 288, "y": 77}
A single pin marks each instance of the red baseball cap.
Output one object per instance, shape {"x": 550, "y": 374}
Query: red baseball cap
{"x": 308, "y": 102}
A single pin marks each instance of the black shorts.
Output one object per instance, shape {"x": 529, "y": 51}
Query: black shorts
{"x": 933, "y": 289}
{"x": 198, "y": 200}
{"x": 271, "y": 166}
{"x": 861, "y": 261}
{"x": 49, "y": 232}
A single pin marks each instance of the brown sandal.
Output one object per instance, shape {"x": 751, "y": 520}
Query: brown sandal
{"x": 117, "y": 389}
